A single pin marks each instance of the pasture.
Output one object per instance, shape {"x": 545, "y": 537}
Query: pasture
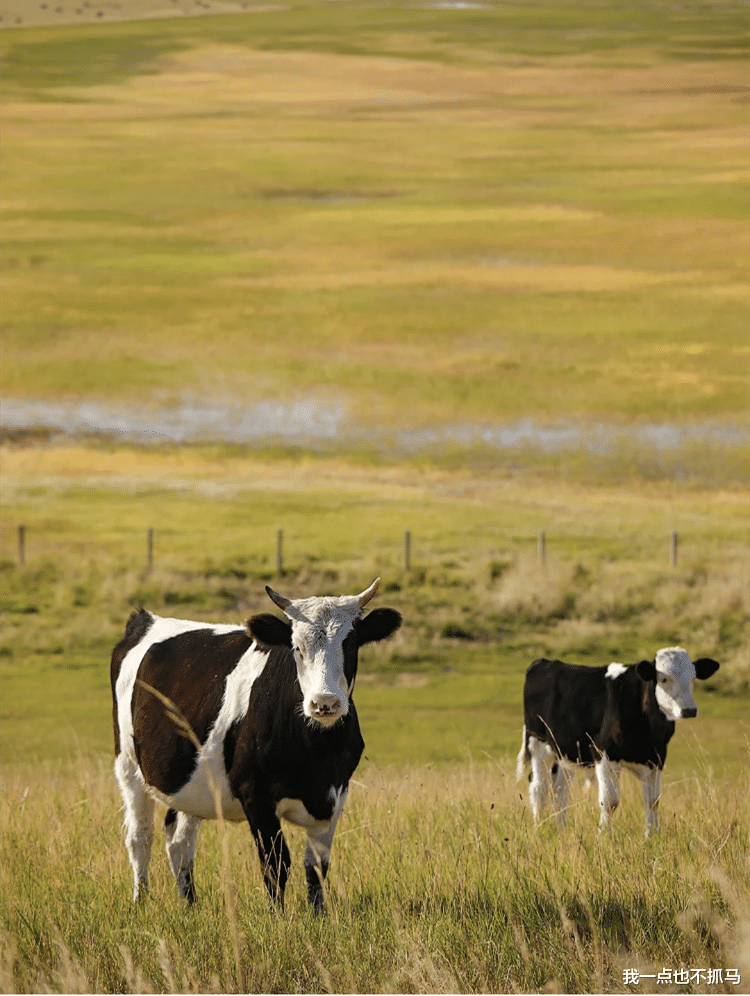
{"x": 528, "y": 211}
{"x": 438, "y": 881}
{"x": 427, "y": 217}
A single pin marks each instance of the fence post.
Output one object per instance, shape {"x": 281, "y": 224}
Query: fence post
{"x": 279, "y": 551}
{"x": 542, "y": 547}
{"x": 407, "y": 550}
{"x": 673, "y": 549}
{"x": 150, "y": 549}
{"x": 22, "y": 545}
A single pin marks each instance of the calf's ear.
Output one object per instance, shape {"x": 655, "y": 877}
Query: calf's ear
{"x": 705, "y": 667}
{"x": 646, "y": 670}
{"x": 377, "y": 625}
{"x": 270, "y": 631}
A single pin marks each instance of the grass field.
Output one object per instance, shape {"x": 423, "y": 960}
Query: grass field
{"x": 430, "y": 216}
{"x": 462, "y": 895}
{"x": 475, "y": 600}
{"x": 438, "y": 884}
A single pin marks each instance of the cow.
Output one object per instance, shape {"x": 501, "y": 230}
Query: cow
{"x": 251, "y": 722}
{"x": 608, "y": 718}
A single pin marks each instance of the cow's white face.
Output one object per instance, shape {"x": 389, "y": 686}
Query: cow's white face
{"x": 319, "y": 628}
{"x": 675, "y": 674}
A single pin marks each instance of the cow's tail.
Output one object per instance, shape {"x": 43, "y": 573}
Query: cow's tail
{"x": 524, "y": 758}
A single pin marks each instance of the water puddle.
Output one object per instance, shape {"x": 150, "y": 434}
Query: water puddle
{"x": 189, "y": 422}
{"x": 320, "y": 425}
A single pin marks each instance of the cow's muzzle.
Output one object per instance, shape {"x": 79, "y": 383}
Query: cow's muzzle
{"x": 326, "y": 709}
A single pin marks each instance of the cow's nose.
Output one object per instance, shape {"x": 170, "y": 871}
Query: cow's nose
{"x": 326, "y": 705}
{"x": 689, "y": 713}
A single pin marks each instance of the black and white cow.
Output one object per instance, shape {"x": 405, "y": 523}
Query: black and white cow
{"x": 607, "y": 718}
{"x": 250, "y": 722}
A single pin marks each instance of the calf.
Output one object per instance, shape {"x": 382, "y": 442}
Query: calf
{"x": 607, "y": 718}
{"x": 250, "y": 722}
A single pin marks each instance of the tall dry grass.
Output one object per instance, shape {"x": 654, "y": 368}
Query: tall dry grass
{"x": 438, "y": 883}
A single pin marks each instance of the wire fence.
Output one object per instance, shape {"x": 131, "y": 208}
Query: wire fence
{"x": 407, "y": 550}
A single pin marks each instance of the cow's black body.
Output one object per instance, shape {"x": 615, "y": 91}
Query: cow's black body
{"x": 582, "y": 714}
{"x": 608, "y": 718}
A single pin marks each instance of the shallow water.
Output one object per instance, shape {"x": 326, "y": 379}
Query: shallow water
{"x": 312, "y": 423}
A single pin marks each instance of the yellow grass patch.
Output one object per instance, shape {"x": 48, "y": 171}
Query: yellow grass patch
{"x": 227, "y": 75}
{"x": 727, "y": 292}
{"x": 536, "y": 277}
{"x": 310, "y": 77}
{"x": 131, "y": 468}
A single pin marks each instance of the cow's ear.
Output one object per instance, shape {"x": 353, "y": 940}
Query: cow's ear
{"x": 705, "y": 667}
{"x": 269, "y": 630}
{"x": 377, "y": 625}
{"x": 646, "y": 670}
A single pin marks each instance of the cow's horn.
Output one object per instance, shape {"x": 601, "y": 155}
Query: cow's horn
{"x": 368, "y": 593}
{"x": 283, "y": 603}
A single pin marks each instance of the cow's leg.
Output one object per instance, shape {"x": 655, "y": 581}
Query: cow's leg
{"x": 651, "y": 787}
{"x": 561, "y": 782}
{"x": 275, "y": 860}
{"x": 608, "y": 779}
{"x": 318, "y": 855}
{"x": 182, "y": 836}
{"x": 541, "y": 784}
{"x": 139, "y": 821}
{"x": 274, "y": 855}
{"x": 317, "y": 858}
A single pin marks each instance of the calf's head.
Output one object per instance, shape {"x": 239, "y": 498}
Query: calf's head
{"x": 324, "y": 635}
{"x": 673, "y": 673}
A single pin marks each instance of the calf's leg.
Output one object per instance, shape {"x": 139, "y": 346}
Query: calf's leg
{"x": 561, "y": 781}
{"x": 651, "y": 788}
{"x": 608, "y": 779}
{"x": 541, "y": 782}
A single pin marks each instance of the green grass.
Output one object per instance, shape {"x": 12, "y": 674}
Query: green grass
{"x": 478, "y": 606}
{"x": 540, "y": 30}
{"x": 494, "y": 214}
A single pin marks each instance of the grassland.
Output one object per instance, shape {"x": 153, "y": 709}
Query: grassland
{"x": 432, "y": 216}
{"x": 478, "y": 605}
{"x": 534, "y": 210}
{"x": 438, "y": 882}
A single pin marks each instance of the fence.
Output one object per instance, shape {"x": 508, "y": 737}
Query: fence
{"x": 541, "y": 548}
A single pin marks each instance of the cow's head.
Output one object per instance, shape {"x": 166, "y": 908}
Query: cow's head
{"x": 674, "y": 673}
{"x": 325, "y": 636}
